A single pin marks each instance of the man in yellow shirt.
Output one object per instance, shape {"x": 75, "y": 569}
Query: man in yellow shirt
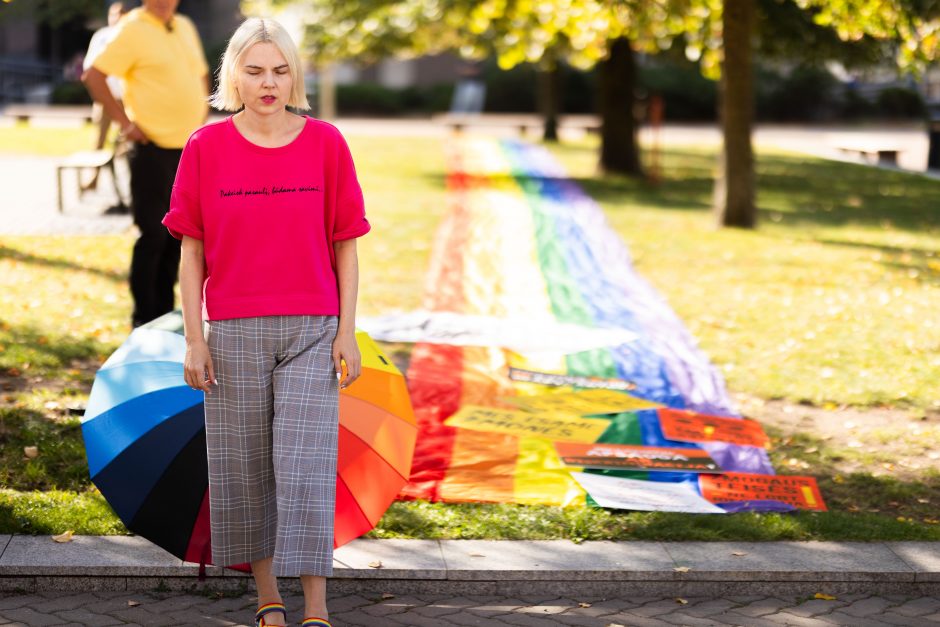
{"x": 160, "y": 58}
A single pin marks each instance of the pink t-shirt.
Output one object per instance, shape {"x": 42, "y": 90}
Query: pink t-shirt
{"x": 268, "y": 218}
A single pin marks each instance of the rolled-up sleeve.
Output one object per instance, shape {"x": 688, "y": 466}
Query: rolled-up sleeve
{"x": 185, "y": 214}
{"x": 350, "y": 221}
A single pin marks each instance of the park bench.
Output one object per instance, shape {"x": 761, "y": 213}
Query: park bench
{"x": 884, "y": 154}
{"x": 26, "y": 112}
{"x": 87, "y": 159}
{"x": 523, "y": 122}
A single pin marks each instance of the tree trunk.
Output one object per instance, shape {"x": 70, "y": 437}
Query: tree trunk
{"x": 734, "y": 186}
{"x": 549, "y": 100}
{"x": 616, "y": 79}
{"x": 326, "y": 92}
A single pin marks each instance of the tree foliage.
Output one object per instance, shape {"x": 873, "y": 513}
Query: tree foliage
{"x": 52, "y": 12}
{"x": 515, "y": 31}
{"x": 912, "y": 25}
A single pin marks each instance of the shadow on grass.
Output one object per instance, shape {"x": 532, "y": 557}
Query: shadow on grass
{"x": 47, "y": 354}
{"x": 61, "y": 264}
{"x": 802, "y": 191}
{"x": 60, "y": 463}
{"x": 817, "y": 192}
{"x": 922, "y": 264}
{"x": 909, "y": 497}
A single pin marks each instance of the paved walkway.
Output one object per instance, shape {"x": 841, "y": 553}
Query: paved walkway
{"x": 163, "y": 608}
{"x": 29, "y": 200}
{"x": 113, "y": 580}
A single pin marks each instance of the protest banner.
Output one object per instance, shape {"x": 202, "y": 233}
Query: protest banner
{"x": 629, "y": 457}
{"x": 527, "y": 424}
{"x": 689, "y": 426}
{"x": 648, "y": 496}
{"x": 735, "y": 487}
{"x": 582, "y": 402}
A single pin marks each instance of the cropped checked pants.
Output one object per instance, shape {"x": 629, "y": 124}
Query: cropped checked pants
{"x": 271, "y": 432}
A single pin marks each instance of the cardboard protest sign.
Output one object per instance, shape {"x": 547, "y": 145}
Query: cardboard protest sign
{"x": 689, "y": 426}
{"x": 627, "y": 457}
{"x": 583, "y": 402}
{"x": 734, "y": 487}
{"x": 551, "y": 378}
{"x": 527, "y": 424}
{"x": 649, "y": 496}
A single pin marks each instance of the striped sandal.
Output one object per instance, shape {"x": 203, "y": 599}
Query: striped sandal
{"x": 316, "y": 622}
{"x": 266, "y": 609}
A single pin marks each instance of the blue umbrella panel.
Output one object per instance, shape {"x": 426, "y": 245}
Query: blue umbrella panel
{"x": 144, "y": 432}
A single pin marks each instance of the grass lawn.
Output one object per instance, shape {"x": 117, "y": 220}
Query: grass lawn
{"x": 823, "y": 322}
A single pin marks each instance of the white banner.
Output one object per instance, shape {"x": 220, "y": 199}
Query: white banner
{"x": 522, "y": 335}
{"x": 648, "y": 496}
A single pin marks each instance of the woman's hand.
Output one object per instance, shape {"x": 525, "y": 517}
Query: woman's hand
{"x": 346, "y": 349}
{"x": 197, "y": 366}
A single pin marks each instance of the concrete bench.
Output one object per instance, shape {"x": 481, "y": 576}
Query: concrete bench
{"x": 523, "y": 122}
{"x": 87, "y": 159}
{"x": 26, "y": 112}
{"x": 883, "y": 154}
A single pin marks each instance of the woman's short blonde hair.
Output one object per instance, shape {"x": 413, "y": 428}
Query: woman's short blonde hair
{"x": 252, "y": 31}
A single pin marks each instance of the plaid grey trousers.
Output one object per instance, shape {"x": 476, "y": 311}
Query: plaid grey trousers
{"x": 272, "y": 425}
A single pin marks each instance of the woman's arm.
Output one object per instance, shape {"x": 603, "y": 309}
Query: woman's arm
{"x": 344, "y": 346}
{"x": 197, "y": 366}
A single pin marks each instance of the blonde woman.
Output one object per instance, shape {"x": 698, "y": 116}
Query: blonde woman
{"x": 268, "y": 207}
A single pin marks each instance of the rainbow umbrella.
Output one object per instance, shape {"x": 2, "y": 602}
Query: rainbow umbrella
{"x": 145, "y": 440}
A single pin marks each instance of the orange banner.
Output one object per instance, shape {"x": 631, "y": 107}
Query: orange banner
{"x": 800, "y": 492}
{"x": 629, "y": 457}
{"x": 688, "y": 426}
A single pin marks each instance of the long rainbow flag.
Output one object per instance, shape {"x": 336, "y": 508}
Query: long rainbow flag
{"x": 522, "y": 240}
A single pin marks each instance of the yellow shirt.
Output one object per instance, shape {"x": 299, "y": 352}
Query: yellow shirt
{"x": 164, "y": 71}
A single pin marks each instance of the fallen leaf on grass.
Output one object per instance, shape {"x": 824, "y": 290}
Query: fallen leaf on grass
{"x": 811, "y": 449}
{"x": 375, "y": 564}
{"x": 64, "y": 537}
{"x": 681, "y": 601}
{"x": 932, "y": 521}
{"x": 838, "y": 479}
{"x": 682, "y": 569}
{"x": 31, "y": 452}
{"x": 923, "y": 501}
{"x": 738, "y": 553}
{"x": 824, "y": 597}
{"x": 582, "y": 604}
{"x": 133, "y": 603}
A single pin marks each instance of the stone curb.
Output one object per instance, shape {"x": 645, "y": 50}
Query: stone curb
{"x": 36, "y": 563}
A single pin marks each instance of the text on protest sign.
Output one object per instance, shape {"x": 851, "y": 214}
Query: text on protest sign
{"x": 689, "y": 426}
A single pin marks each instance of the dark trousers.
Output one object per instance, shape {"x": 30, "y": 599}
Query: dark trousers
{"x": 156, "y": 259}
